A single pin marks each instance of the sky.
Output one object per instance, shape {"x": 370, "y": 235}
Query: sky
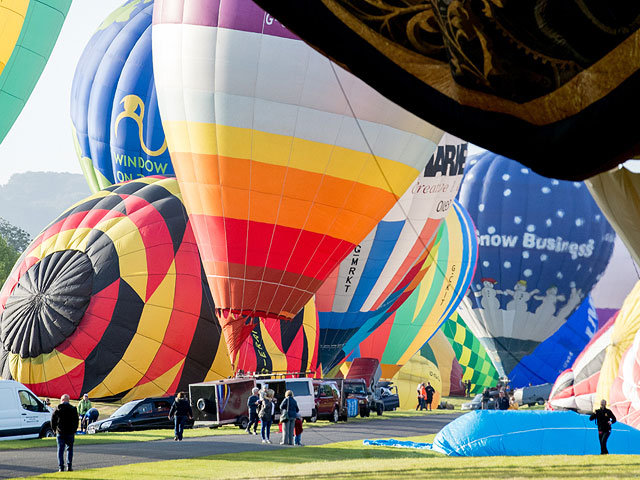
{"x": 40, "y": 139}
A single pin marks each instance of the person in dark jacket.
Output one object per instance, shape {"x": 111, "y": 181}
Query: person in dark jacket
{"x": 430, "y": 391}
{"x": 180, "y": 411}
{"x": 266, "y": 414}
{"x": 486, "y": 396}
{"x": 252, "y": 404}
{"x": 288, "y": 409}
{"x": 503, "y": 401}
{"x": 64, "y": 421}
{"x": 604, "y": 419}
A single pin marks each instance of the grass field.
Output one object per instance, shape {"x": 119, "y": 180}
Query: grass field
{"x": 354, "y": 460}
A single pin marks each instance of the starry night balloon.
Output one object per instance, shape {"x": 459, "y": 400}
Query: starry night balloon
{"x": 542, "y": 246}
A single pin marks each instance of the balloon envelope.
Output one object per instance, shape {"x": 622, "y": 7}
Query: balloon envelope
{"x": 285, "y": 160}
{"x": 29, "y": 31}
{"x": 374, "y": 280}
{"x": 516, "y": 78}
{"x": 111, "y": 300}
{"x": 114, "y": 107}
{"x": 624, "y": 397}
{"x": 543, "y": 245}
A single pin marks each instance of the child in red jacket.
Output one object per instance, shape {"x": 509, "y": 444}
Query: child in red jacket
{"x": 297, "y": 431}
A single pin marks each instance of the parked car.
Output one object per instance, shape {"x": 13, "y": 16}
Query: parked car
{"x": 368, "y": 370}
{"x": 387, "y": 393}
{"x": 302, "y": 389}
{"x": 22, "y": 414}
{"x": 536, "y": 394}
{"x": 476, "y": 403}
{"x": 330, "y": 404}
{"x": 148, "y": 413}
{"x": 357, "y": 388}
{"x": 221, "y": 402}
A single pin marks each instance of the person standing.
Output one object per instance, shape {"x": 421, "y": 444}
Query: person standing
{"x": 486, "y": 396}
{"x": 429, "y": 392}
{"x": 83, "y": 407}
{"x": 180, "y": 411}
{"x": 252, "y": 404}
{"x": 297, "y": 430}
{"x": 503, "y": 401}
{"x": 604, "y": 419}
{"x": 467, "y": 388}
{"x": 64, "y": 422}
{"x": 266, "y": 414}
{"x": 420, "y": 405}
{"x": 288, "y": 412}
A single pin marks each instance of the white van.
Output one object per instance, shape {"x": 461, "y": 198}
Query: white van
{"x": 22, "y": 414}
{"x": 302, "y": 389}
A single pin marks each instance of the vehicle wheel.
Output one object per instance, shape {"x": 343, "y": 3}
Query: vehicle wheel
{"x": 530, "y": 404}
{"x": 243, "y": 423}
{"x": 380, "y": 408}
{"x": 540, "y": 401}
{"x": 335, "y": 416}
{"x": 46, "y": 431}
{"x": 314, "y": 416}
{"x": 345, "y": 417}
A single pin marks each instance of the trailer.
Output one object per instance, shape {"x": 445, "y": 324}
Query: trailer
{"x": 221, "y": 402}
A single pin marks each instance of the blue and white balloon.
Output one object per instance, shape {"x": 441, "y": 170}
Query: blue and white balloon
{"x": 542, "y": 246}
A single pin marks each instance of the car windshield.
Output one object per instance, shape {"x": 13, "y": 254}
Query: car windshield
{"x": 356, "y": 388}
{"x": 477, "y": 398}
{"x": 125, "y": 409}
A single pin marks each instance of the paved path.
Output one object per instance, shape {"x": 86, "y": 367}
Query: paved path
{"x": 35, "y": 461}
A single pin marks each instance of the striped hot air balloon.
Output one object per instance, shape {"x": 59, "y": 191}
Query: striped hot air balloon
{"x": 285, "y": 160}
{"x": 28, "y": 31}
{"x": 114, "y": 107}
{"x": 111, "y": 300}
{"x": 374, "y": 280}
{"x": 431, "y": 303}
{"x": 275, "y": 346}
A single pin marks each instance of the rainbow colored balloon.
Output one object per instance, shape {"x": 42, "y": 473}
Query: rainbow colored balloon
{"x": 285, "y": 161}
{"x": 434, "y": 300}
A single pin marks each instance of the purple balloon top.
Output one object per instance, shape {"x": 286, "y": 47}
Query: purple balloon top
{"x": 241, "y": 15}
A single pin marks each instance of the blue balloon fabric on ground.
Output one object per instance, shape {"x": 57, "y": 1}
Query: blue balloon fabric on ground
{"x": 392, "y": 442}
{"x": 487, "y": 433}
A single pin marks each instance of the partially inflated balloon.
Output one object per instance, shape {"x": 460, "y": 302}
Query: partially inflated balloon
{"x": 575, "y": 388}
{"x": 114, "y": 108}
{"x": 472, "y": 357}
{"x": 433, "y": 301}
{"x": 285, "y": 160}
{"x": 28, "y": 31}
{"x": 543, "y": 245}
{"x": 372, "y": 282}
{"x": 275, "y": 346}
{"x": 549, "y": 84}
{"x": 111, "y": 300}
{"x": 418, "y": 369}
{"x": 624, "y": 397}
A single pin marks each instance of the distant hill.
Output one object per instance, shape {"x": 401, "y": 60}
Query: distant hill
{"x": 32, "y": 200}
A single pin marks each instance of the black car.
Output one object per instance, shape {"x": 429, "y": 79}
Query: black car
{"x": 149, "y": 413}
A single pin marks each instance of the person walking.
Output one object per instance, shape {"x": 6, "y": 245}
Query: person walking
{"x": 266, "y": 414}
{"x": 252, "y": 404}
{"x": 83, "y": 407}
{"x": 429, "y": 392}
{"x": 180, "y": 411}
{"x": 64, "y": 422}
{"x": 288, "y": 410}
{"x": 604, "y": 419}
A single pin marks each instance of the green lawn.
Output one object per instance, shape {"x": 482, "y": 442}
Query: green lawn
{"x": 354, "y": 460}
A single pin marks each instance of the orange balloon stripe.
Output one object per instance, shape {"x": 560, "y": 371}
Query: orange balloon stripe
{"x": 318, "y": 203}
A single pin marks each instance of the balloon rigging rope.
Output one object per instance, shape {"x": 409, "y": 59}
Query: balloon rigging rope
{"x": 384, "y": 176}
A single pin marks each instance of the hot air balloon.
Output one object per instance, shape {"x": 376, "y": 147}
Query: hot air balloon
{"x": 433, "y": 301}
{"x": 29, "y": 31}
{"x": 275, "y": 346}
{"x": 623, "y": 332}
{"x": 543, "y": 245}
{"x": 557, "y": 352}
{"x": 528, "y": 80}
{"x": 111, "y": 300}
{"x": 369, "y": 285}
{"x": 575, "y": 388}
{"x": 285, "y": 160}
{"x": 114, "y": 108}
{"x": 624, "y": 397}
{"x": 472, "y": 357}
